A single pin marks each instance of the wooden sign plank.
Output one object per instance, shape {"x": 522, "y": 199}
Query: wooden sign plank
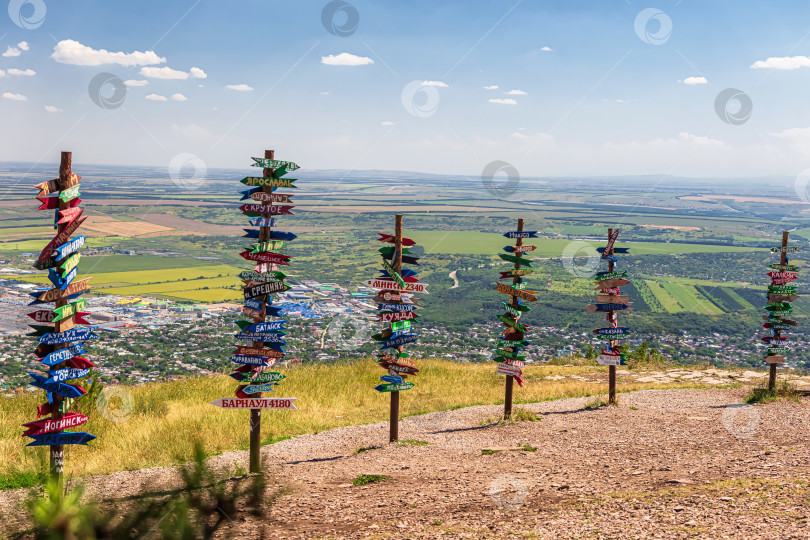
{"x": 60, "y": 239}
{"x": 52, "y": 186}
{"x": 611, "y": 283}
{"x": 51, "y": 295}
{"x": 611, "y": 299}
{"x": 610, "y": 360}
{"x": 68, "y": 215}
{"x": 266, "y": 209}
{"x": 52, "y": 203}
{"x": 407, "y": 242}
{"x": 274, "y": 164}
{"x": 399, "y": 340}
{"x": 62, "y": 355}
{"x": 69, "y": 248}
{"x": 521, "y": 234}
{"x": 515, "y": 259}
{"x": 593, "y": 308}
{"x": 58, "y": 439}
{"x": 523, "y": 295}
{"x": 785, "y": 249}
{"x": 397, "y": 316}
{"x": 621, "y": 330}
{"x": 262, "y": 181}
{"x": 775, "y": 359}
{"x": 76, "y": 334}
{"x": 278, "y": 198}
{"x": 255, "y": 403}
{"x": 270, "y": 258}
{"x": 68, "y": 421}
{"x": 390, "y": 284}
{"x": 265, "y": 289}
{"x": 389, "y": 387}
{"x": 397, "y": 307}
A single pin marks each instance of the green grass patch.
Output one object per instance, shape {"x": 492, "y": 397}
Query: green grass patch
{"x": 412, "y": 442}
{"x": 782, "y": 391}
{"x": 488, "y": 451}
{"x": 366, "y": 449}
{"x": 365, "y": 479}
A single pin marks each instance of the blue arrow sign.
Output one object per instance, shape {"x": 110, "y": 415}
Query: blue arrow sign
{"x": 67, "y": 374}
{"x": 65, "y": 390}
{"x": 63, "y": 355}
{"x": 394, "y": 379}
{"x": 521, "y": 234}
{"x": 268, "y": 337}
{"x": 251, "y": 233}
{"x": 252, "y": 303}
{"x": 256, "y": 388}
{"x": 249, "y": 360}
{"x": 69, "y": 247}
{"x": 396, "y": 307}
{"x": 59, "y": 281}
{"x": 280, "y": 235}
{"x": 52, "y": 439}
{"x": 272, "y": 326}
{"x": 76, "y": 334}
{"x": 401, "y": 340}
{"x": 615, "y": 250}
{"x": 262, "y": 222}
{"x": 248, "y": 192}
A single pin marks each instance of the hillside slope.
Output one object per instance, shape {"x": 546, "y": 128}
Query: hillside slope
{"x": 665, "y": 463}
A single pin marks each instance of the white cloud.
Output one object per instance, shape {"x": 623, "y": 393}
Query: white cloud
{"x": 155, "y": 97}
{"x": 515, "y": 93}
{"x": 134, "y": 82}
{"x": 346, "y": 59}
{"x": 695, "y": 80}
{"x": 438, "y": 84}
{"x": 507, "y": 101}
{"x": 72, "y": 52}
{"x": 163, "y": 73}
{"x": 52, "y": 109}
{"x": 324, "y": 93}
{"x": 240, "y": 87}
{"x": 783, "y": 62}
{"x": 16, "y": 51}
{"x": 14, "y": 97}
{"x": 546, "y": 49}
{"x": 2, "y": 73}
{"x": 518, "y": 135}
{"x": 493, "y": 87}
{"x": 22, "y": 72}
{"x": 179, "y": 97}
{"x": 197, "y": 73}
{"x": 387, "y": 123}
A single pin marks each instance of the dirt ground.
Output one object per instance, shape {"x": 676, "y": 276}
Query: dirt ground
{"x": 663, "y": 464}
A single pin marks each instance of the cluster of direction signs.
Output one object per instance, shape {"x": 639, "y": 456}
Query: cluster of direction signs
{"x": 609, "y": 300}
{"x": 396, "y": 307}
{"x": 507, "y": 354}
{"x": 261, "y": 341}
{"x": 779, "y": 308}
{"x": 61, "y": 341}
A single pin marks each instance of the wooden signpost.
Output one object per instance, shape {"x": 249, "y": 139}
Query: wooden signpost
{"x": 266, "y": 337}
{"x": 60, "y": 344}
{"x": 779, "y": 297}
{"x": 398, "y": 312}
{"x": 510, "y": 363}
{"x": 610, "y": 301}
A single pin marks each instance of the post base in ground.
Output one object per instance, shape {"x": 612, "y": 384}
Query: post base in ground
{"x": 612, "y": 385}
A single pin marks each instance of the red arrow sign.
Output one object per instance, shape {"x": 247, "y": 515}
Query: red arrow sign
{"x": 46, "y": 315}
{"x": 60, "y": 238}
{"x": 52, "y": 203}
{"x": 273, "y": 258}
{"x": 69, "y": 420}
{"x": 263, "y": 196}
{"x": 69, "y": 214}
{"x": 390, "y": 239}
{"x": 266, "y": 209}
{"x": 258, "y": 351}
{"x": 783, "y": 281}
{"x": 397, "y": 316}
{"x": 52, "y": 186}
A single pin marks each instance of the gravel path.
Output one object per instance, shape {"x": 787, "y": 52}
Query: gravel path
{"x": 664, "y": 464}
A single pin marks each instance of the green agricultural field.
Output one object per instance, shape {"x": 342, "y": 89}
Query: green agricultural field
{"x": 689, "y": 299}
{"x": 479, "y": 243}
{"x": 173, "y": 286}
{"x": 210, "y": 295}
{"x": 123, "y": 263}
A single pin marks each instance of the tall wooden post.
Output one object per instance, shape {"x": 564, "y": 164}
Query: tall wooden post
{"x": 613, "y": 320}
{"x": 57, "y": 452}
{"x": 778, "y": 333}
{"x": 256, "y": 414}
{"x": 393, "y": 420}
{"x": 510, "y": 380}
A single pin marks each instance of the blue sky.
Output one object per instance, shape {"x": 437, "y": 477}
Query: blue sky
{"x": 579, "y": 91}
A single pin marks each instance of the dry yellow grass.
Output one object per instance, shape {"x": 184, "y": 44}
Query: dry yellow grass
{"x": 168, "y": 418}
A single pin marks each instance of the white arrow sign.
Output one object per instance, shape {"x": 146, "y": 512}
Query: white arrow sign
{"x": 255, "y": 403}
